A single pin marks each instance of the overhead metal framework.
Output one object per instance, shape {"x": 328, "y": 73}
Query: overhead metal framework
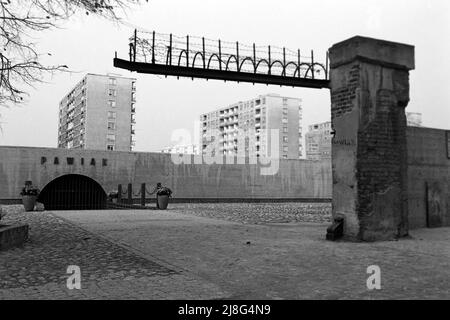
{"x": 194, "y": 57}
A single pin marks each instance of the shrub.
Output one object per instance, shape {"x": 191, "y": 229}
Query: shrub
{"x": 29, "y": 190}
{"x": 164, "y": 191}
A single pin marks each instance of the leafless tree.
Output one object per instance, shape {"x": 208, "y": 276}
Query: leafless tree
{"x": 20, "y": 63}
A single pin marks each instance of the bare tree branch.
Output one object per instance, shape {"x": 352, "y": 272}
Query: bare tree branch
{"x": 20, "y": 63}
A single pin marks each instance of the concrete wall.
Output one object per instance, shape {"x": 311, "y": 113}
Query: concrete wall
{"x": 294, "y": 179}
{"x": 428, "y": 177}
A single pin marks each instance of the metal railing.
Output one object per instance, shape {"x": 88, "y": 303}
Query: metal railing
{"x": 168, "y": 54}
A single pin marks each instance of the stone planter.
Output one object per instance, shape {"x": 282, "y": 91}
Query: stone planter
{"x": 163, "y": 201}
{"x": 29, "y": 202}
{"x": 13, "y": 236}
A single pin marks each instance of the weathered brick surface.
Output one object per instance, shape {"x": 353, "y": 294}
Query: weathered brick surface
{"x": 381, "y": 167}
{"x": 368, "y": 100}
{"x": 342, "y": 97}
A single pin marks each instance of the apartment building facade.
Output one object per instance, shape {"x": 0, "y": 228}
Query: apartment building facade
{"x": 99, "y": 114}
{"x": 246, "y": 128}
{"x": 318, "y": 141}
{"x": 414, "y": 119}
{"x": 182, "y": 149}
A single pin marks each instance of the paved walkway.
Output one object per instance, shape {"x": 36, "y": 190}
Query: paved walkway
{"x": 175, "y": 254}
{"x": 259, "y": 213}
{"x": 108, "y": 271}
{"x": 279, "y": 260}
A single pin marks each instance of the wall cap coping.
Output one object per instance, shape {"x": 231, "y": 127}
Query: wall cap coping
{"x": 375, "y": 51}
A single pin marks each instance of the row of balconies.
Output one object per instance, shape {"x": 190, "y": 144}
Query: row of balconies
{"x": 229, "y": 137}
{"x": 228, "y": 148}
{"x": 229, "y": 112}
{"x": 229, "y": 120}
{"x": 228, "y": 128}
{"x": 228, "y": 141}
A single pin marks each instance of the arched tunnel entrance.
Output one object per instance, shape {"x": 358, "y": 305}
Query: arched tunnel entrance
{"x": 73, "y": 192}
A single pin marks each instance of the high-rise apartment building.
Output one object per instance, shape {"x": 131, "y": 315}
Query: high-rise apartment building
{"x": 414, "y": 119}
{"x": 182, "y": 149}
{"x": 246, "y": 128}
{"x": 318, "y": 141}
{"x": 99, "y": 114}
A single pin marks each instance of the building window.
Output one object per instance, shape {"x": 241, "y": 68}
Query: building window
{"x": 285, "y": 156}
{"x": 111, "y": 137}
{"x": 133, "y": 96}
{"x": 111, "y": 126}
{"x": 285, "y": 129}
{"x": 111, "y": 115}
{"x": 133, "y": 85}
{"x": 112, "y": 103}
{"x": 285, "y": 111}
{"x": 285, "y": 149}
{"x": 110, "y": 147}
{"x": 284, "y": 120}
{"x": 112, "y": 81}
{"x": 285, "y": 139}
{"x": 112, "y": 92}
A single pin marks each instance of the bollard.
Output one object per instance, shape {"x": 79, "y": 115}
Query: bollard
{"x": 143, "y": 194}
{"x": 119, "y": 193}
{"x": 130, "y": 194}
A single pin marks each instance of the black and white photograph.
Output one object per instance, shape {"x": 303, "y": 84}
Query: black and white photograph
{"x": 223, "y": 155}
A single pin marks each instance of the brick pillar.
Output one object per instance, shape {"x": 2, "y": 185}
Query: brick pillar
{"x": 369, "y": 92}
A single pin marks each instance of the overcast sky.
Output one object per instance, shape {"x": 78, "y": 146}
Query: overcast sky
{"x": 87, "y": 44}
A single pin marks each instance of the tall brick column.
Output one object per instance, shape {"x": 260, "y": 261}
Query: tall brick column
{"x": 369, "y": 93}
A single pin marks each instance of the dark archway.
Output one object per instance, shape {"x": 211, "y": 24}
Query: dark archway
{"x": 73, "y": 192}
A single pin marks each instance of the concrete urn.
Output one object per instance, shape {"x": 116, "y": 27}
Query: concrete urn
{"x": 163, "y": 201}
{"x": 29, "y": 202}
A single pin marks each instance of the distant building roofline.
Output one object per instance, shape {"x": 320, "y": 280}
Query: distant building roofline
{"x": 115, "y": 75}
{"x": 231, "y": 105}
{"x": 109, "y": 75}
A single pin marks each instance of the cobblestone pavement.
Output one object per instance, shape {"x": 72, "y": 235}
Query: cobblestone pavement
{"x": 259, "y": 213}
{"x": 108, "y": 271}
{"x": 276, "y": 260}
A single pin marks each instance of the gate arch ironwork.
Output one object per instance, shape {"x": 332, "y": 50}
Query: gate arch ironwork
{"x": 151, "y": 52}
